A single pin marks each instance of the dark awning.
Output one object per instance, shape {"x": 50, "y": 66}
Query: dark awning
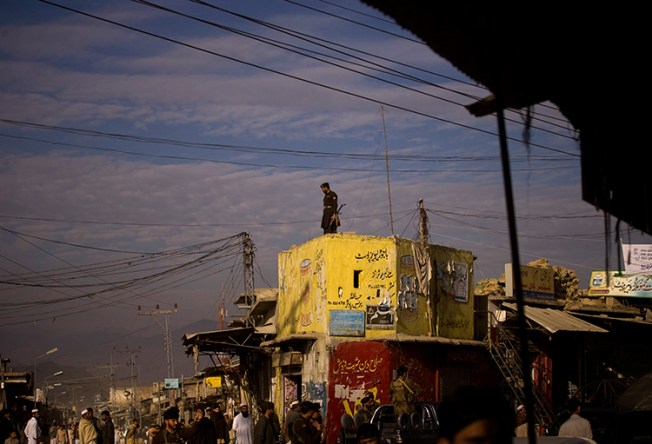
{"x": 557, "y": 320}
{"x": 230, "y": 340}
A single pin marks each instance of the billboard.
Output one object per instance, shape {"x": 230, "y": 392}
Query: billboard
{"x": 621, "y": 285}
{"x": 537, "y": 282}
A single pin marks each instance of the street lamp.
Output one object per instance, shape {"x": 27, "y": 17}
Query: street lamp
{"x": 45, "y": 385}
{"x": 49, "y": 387}
{"x": 49, "y": 352}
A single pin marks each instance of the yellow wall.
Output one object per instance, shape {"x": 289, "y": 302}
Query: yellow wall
{"x": 365, "y": 287}
{"x": 453, "y": 282}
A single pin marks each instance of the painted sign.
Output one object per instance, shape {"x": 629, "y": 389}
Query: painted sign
{"x": 637, "y": 258}
{"x": 213, "y": 381}
{"x": 347, "y": 322}
{"x": 620, "y": 285}
{"x": 379, "y": 317}
{"x": 537, "y": 282}
{"x": 171, "y": 383}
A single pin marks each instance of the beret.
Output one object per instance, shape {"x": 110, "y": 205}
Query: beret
{"x": 171, "y": 413}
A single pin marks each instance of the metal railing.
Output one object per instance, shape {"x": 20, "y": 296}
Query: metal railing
{"x": 506, "y": 355}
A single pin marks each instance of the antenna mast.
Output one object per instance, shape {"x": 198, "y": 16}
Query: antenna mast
{"x": 389, "y": 194}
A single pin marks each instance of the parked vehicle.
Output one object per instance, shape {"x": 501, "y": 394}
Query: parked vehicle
{"x": 418, "y": 427}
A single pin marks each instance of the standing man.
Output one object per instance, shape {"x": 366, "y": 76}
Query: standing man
{"x": 403, "y": 390}
{"x": 221, "y": 427}
{"x": 576, "y": 426}
{"x": 202, "y": 430}
{"x": 32, "y": 430}
{"x": 243, "y": 426}
{"x": 304, "y": 431}
{"x": 6, "y": 425}
{"x": 171, "y": 433}
{"x": 330, "y": 219}
{"x": 290, "y": 417}
{"x": 87, "y": 431}
{"x": 130, "y": 436}
{"x": 108, "y": 428}
{"x": 264, "y": 432}
{"x": 367, "y": 407}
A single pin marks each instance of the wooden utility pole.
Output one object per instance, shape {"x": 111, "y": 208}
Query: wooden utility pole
{"x": 132, "y": 366}
{"x": 166, "y": 332}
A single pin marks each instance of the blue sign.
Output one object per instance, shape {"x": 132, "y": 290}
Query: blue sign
{"x": 171, "y": 383}
{"x": 347, "y": 323}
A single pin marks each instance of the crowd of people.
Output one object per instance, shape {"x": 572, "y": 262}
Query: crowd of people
{"x": 468, "y": 413}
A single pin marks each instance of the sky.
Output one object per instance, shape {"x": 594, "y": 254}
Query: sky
{"x": 141, "y": 142}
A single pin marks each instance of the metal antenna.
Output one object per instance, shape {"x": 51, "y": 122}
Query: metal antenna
{"x": 389, "y": 194}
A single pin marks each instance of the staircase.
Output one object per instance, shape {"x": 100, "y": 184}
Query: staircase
{"x": 501, "y": 345}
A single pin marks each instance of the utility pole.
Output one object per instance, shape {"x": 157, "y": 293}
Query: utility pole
{"x": 248, "y": 273}
{"x": 166, "y": 333}
{"x": 132, "y": 366}
{"x": 221, "y": 314}
{"x": 389, "y": 193}
{"x": 423, "y": 262}
{"x": 111, "y": 367}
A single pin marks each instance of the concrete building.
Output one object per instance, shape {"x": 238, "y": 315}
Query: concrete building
{"x": 352, "y": 308}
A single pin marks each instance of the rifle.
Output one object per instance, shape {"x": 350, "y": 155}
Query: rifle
{"x": 335, "y": 218}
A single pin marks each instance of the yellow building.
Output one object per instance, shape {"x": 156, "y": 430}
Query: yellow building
{"x": 369, "y": 287}
{"x": 352, "y": 308}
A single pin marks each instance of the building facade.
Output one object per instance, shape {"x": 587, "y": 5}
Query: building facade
{"x": 352, "y": 308}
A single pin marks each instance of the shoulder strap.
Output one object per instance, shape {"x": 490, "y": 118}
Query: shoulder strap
{"x": 407, "y": 386}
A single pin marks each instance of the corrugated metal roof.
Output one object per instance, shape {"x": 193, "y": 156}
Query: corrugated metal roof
{"x": 557, "y": 320}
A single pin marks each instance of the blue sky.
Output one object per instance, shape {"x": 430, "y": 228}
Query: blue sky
{"x": 130, "y": 131}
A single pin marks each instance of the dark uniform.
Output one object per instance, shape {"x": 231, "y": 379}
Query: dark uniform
{"x": 329, "y": 220}
{"x": 177, "y": 435}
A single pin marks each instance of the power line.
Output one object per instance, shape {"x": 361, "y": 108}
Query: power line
{"x": 294, "y": 77}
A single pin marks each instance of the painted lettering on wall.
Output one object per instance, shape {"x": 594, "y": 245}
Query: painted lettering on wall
{"x": 456, "y": 324}
{"x": 352, "y": 301}
{"x": 357, "y": 365}
{"x": 373, "y": 256}
{"x": 382, "y": 274}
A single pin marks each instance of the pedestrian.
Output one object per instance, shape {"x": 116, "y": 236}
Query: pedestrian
{"x": 476, "y": 414}
{"x": 87, "y": 431}
{"x": 6, "y": 425}
{"x": 290, "y": 417}
{"x": 97, "y": 424}
{"x": 202, "y": 430}
{"x": 12, "y": 438}
{"x": 330, "y": 219}
{"x": 304, "y": 431}
{"x": 221, "y": 427}
{"x": 151, "y": 432}
{"x": 243, "y": 426}
{"x": 52, "y": 432}
{"x": 575, "y": 426}
{"x": 132, "y": 431}
{"x": 171, "y": 433}
{"x": 521, "y": 422}
{"x": 264, "y": 432}
{"x": 32, "y": 429}
{"x": 366, "y": 411}
{"x": 75, "y": 433}
{"x": 403, "y": 390}
{"x": 107, "y": 430}
{"x": 62, "y": 435}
